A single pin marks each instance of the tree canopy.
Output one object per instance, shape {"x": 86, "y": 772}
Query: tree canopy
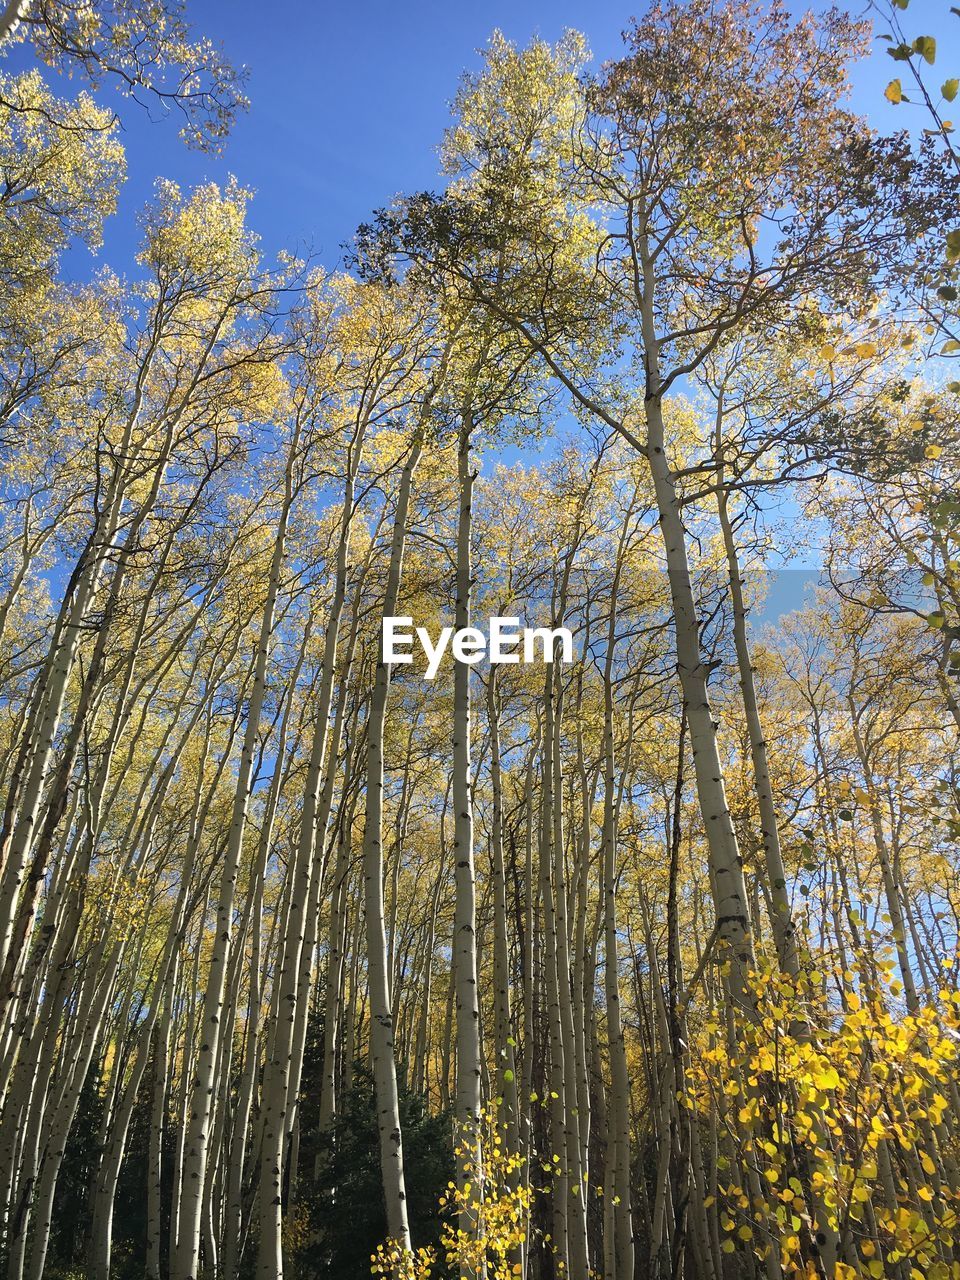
{"x": 638, "y": 964}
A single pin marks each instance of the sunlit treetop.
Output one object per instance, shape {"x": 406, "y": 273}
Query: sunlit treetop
{"x": 62, "y": 166}
{"x": 146, "y": 47}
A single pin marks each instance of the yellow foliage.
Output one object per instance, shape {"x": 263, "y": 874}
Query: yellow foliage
{"x": 496, "y": 1201}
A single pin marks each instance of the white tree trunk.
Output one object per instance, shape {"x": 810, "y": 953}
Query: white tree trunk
{"x": 382, "y": 1061}
{"x": 465, "y": 923}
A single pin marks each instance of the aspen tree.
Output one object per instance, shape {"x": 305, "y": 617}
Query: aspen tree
{"x": 281, "y": 1078}
{"x": 464, "y": 929}
{"x": 574, "y": 896}
{"x": 381, "y": 1019}
{"x": 645, "y": 170}
{"x": 196, "y": 1155}
{"x": 148, "y": 52}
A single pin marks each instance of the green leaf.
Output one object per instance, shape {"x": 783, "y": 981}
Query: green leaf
{"x": 926, "y": 46}
{"x": 900, "y": 53}
{"x": 949, "y": 89}
{"x": 947, "y": 292}
{"x": 953, "y": 244}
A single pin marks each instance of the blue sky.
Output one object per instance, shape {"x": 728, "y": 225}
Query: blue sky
{"x": 348, "y": 103}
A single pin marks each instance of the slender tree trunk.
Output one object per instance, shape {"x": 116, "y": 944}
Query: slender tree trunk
{"x": 619, "y": 1258}
{"x": 158, "y": 1114}
{"x": 464, "y": 926}
{"x": 505, "y": 1043}
{"x": 186, "y": 1259}
{"x": 732, "y": 908}
{"x": 382, "y": 1060}
{"x": 784, "y": 928}
{"x": 281, "y": 1078}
